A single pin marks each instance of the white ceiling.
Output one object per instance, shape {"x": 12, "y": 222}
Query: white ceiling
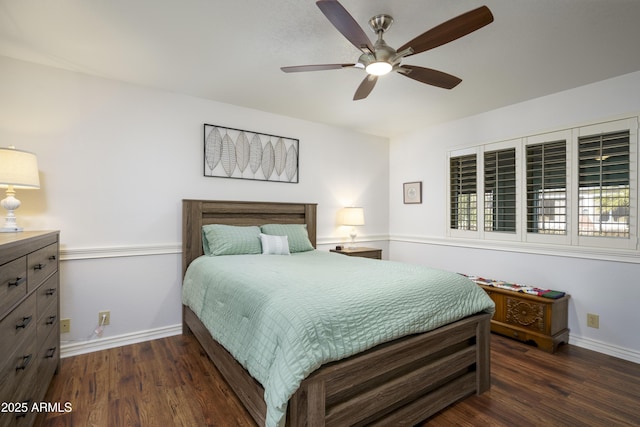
{"x": 231, "y": 51}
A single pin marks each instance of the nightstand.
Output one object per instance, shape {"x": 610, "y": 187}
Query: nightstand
{"x": 360, "y": 252}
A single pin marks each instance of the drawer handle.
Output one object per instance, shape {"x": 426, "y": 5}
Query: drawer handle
{"x": 50, "y": 292}
{"x": 50, "y": 353}
{"x": 19, "y": 281}
{"x": 51, "y": 320}
{"x": 25, "y": 322}
{"x": 39, "y": 266}
{"x": 25, "y": 362}
{"x": 52, "y": 257}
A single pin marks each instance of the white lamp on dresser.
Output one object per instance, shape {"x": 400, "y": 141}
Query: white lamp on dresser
{"x": 18, "y": 169}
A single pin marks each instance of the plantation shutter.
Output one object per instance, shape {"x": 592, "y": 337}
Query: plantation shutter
{"x": 547, "y": 188}
{"x": 500, "y": 190}
{"x": 604, "y": 163}
{"x": 463, "y": 190}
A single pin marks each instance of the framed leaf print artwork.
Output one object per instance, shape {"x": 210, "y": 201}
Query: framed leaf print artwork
{"x": 412, "y": 192}
{"x": 242, "y": 154}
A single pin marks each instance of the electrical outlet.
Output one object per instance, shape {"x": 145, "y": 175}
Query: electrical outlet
{"x": 65, "y": 326}
{"x": 593, "y": 321}
{"x": 107, "y": 319}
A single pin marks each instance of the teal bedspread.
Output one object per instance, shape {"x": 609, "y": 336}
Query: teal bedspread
{"x": 282, "y": 317}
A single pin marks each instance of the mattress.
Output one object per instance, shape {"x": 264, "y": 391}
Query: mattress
{"x": 282, "y": 317}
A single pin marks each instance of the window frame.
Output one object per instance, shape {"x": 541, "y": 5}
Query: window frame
{"x": 600, "y": 128}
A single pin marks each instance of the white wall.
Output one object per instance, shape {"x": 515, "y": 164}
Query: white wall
{"x": 115, "y": 161}
{"x": 608, "y": 288}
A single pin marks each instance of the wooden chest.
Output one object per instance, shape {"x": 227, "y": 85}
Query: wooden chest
{"x": 529, "y": 318}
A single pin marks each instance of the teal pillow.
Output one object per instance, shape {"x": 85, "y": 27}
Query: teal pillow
{"x": 219, "y": 239}
{"x": 296, "y": 234}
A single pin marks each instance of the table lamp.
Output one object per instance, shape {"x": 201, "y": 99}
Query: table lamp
{"x": 18, "y": 169}
{"x": 353, "y": 217}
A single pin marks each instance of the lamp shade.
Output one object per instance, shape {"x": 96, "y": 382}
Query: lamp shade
{"x": 353, "y": 216}
{"x": 18, "y": 168}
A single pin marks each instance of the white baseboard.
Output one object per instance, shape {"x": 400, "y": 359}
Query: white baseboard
{"x": 601, "y": 347}
{"x": 75, "y": 348}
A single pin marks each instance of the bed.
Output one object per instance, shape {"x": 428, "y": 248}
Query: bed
{"x": 400, "y": 382}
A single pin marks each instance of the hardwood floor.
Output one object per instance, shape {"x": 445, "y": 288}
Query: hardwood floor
{"x": 171, "y": 382}
{"x": 167, "y": 382}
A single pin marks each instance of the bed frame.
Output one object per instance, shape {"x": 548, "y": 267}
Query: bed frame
{"x": 398, "y": 383}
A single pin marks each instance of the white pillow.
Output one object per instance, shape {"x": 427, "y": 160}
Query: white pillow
{"x": 274, "y": 245}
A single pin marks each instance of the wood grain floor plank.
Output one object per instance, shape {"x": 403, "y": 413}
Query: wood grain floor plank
{"x": 171, "y": 382}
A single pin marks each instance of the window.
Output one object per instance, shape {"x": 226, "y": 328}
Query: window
{"x": 573, "y": 187}
{"x": 500, "y": 190}
{"x": 464, "y": 206}
{"x": 547, "y": 188}
{"x": 603, "y": 196}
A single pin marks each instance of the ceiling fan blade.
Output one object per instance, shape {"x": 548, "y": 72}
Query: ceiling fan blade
{"x": 450, "y": 30}
{"x": 344, "y": 22}
{"x": 365, "y": 87}
{"x": 429, "y": 76}
{"x": 321, "y": 67}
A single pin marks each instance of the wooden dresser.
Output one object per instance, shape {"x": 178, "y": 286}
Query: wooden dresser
{"x": 530, "y": 318}
{"x": 29, "y": 322}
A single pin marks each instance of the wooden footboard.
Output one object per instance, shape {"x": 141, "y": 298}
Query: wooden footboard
{"x": 398, "y": 383}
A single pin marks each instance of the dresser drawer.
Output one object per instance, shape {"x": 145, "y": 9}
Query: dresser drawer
{"x": 19, "y": 367}
{"x": 47, "y": 294}
{"x": 47, "y": 322}
{"x": 27, "y": 386}
{"x": 375, "y": 254}
{"x": 13, "y": 283}
{"x": 16, "y": 326}
{"x": 25, "y": 419}
{"x": 41, "y": 264}
{"x": 48, "y": 356}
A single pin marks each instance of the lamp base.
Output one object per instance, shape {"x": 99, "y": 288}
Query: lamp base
{"x": 353, "y": 235}
{"x": 10, "y": 203}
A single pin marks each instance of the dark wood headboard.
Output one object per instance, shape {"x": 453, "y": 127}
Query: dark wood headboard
{"x": 196, "y": 213}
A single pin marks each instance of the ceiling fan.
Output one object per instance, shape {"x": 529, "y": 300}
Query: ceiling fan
{"x": 379, "y": 59}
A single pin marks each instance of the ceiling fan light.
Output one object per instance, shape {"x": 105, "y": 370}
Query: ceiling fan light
{"x": 379, "y": 68}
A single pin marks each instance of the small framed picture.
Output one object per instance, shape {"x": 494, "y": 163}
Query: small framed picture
{"x": 412, "y": 192}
